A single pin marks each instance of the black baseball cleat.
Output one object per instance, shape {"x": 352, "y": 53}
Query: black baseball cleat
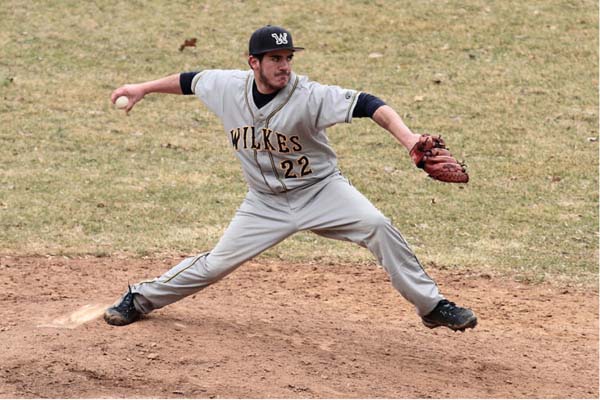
{"x": 450, "y": 315}
{"x": 123, "y": 313}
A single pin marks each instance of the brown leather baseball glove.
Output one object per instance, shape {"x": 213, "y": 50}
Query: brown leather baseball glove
{"x": 430, "y": 153}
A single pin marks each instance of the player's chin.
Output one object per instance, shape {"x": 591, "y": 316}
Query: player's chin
{"x": 281, "y": 81}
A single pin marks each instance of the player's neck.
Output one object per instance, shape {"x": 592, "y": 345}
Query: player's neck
{"x": 261, "y": 99}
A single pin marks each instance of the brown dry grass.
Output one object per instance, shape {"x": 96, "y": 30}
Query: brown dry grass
{"x": 512, "y": 86}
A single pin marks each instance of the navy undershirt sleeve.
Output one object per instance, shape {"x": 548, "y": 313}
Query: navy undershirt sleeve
{"x": 366, "y": 105}
{"x": 185, "y": 81}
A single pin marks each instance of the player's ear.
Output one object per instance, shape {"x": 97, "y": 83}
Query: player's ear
{"x": 253, "y": 62}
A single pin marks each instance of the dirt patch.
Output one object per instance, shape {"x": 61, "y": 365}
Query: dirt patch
{"x": 288, "y": 331}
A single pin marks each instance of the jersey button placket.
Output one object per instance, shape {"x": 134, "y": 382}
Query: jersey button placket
{"x": 273, "y": 184}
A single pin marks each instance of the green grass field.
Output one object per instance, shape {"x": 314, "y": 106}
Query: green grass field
{"x": 511, "y": 85}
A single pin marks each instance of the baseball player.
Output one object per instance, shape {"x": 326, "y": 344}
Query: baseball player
{"x": 275, "y": 121}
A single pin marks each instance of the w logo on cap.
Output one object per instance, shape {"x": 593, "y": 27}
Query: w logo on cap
{"x": 280, "y": 38}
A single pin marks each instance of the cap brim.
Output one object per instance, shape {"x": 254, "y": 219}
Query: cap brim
{"x": 280, "y": 48}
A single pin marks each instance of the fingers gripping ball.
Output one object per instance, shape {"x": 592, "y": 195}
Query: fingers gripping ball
{"x": 430, "y": 153}
{"x": 122, "y": 102}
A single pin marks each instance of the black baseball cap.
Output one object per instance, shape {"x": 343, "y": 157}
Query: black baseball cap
{"x": 271, "y": 38}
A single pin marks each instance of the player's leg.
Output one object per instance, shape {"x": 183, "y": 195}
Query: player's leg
{"x": 339, "y": 211}
{"x": 255, "y": 227}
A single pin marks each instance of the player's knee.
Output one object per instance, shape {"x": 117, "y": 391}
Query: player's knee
{"x": 374, "y": 222}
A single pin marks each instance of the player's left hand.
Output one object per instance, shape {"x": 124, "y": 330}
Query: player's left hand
{"x": 430, "y": 153}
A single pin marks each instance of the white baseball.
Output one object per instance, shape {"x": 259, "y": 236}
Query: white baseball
{"x": 122, "y": 102}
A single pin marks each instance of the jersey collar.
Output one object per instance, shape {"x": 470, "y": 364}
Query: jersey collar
{"x": 267, "y": 112}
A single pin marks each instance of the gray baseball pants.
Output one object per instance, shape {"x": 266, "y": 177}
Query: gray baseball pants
{"x": 331, "y": 208}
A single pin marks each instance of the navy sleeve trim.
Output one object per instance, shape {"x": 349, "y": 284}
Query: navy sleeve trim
{"x": 366, "y": 105}
{"x": 185, "y": 81}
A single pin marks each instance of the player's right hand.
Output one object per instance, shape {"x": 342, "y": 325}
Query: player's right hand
{"x": 134, "y": 92}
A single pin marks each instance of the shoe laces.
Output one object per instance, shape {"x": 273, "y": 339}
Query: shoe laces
{"x": 448, "y": 307}
{"x": 447, "y": 304}
{"x": 126, "y": 305}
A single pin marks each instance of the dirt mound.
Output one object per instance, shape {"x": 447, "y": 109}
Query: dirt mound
{"x": 288, "y": 330}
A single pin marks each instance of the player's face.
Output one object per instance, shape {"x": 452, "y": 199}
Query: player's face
{"x": 273, "y": 72}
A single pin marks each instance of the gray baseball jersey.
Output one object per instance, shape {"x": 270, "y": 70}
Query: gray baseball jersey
{"x": 283, "y": 145}
{"x": 294, "y": 186}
